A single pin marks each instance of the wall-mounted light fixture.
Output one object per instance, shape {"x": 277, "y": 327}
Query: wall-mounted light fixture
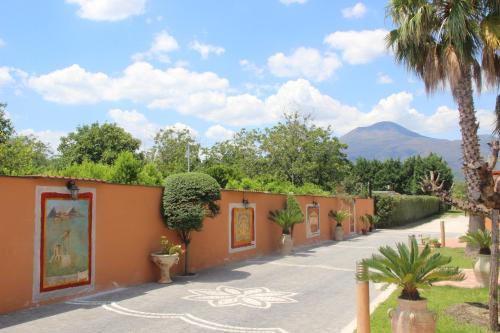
{"x": 244, "y": 201}
{"x": 73, "y": 189}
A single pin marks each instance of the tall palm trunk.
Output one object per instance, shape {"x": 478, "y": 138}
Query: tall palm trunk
{"x": 470, "y": 144}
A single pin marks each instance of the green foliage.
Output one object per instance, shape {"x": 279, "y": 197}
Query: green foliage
{"x": 187, "y": 199}
{"x": 338, "y": 216}
{"x": 268, "y": 183}
{"x": 87, "y": 169}
{"x": 397, "y": 210}
{"x": 23, "y": 155}
{"x": 480, "y": 239}
{"x": 6, "y": 127}
{"x": 402, "y": 177}
{"x": 168, "y": 247}
{"x": 96, "y": 143}
{"x": 150, "y": 175}
{"x": 169, "y": 152}
{"x": 223, "y": 173}
{"x": 409, "y": 268}
{"x": 287, "y": 217}
{"x": 126, "y": 169}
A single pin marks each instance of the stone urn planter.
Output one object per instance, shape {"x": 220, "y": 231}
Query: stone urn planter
{"x": 164, "y": 263}
{"x": 286, "y": 243}
{"x": 412, "y": 317}
{"x": 338, "y": 233}
{"x": 482, "y": 270}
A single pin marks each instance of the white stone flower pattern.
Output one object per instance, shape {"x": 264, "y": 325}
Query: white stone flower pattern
{"x": 258, "y": 298}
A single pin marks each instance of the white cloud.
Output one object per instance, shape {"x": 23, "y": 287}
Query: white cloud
{"x": 163, "y": 44}
{"x": 289, "y": 2}
{"x": 140, "y": 127}
{"x": 139, "y": 82}
{"x": 2, "y": 43}
{"x": 384, "y": 79}
{"x": 249, "y": 66}
{"x": 304, "y": 62}
{"x": 219, "y": 133}
{"x": 358, "y": 47}
{"x": 109, "y": 10}
{"x": 51, "y": 138}
{"x": 205, "y": 49}
{"x": 357, "y": 11}
{"x": 5, "y": 77}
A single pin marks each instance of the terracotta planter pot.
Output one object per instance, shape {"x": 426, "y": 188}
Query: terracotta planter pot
{"x": 164, "y": 263}
{"x": 339, "y": 233}
{"x": 412, "y": 317}
{"x": 286, "y": 243}
{"x": 482, "y": 270}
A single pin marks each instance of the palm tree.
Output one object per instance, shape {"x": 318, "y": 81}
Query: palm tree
{"x": 338, "y": 216}
{"x": 442, "y": 42}
{"x": 287, "y": 217}
{"x": 409, "y": 269}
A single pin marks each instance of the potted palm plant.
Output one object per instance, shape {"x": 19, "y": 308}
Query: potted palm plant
{"x": 338, "y": 216}
{"x": 365, "y": 223}
{"x": 482, "y": 240}
{"x": 166, "y": 258}
{"x": 411, "y": 270}
{"x": 286, "y": 218}
{"x": 374, "y": 220}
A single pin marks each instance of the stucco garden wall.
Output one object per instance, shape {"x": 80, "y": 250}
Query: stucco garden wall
{"x": 128, "y": 224}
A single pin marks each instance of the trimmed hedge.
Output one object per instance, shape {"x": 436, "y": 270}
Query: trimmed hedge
{"x": 398, "y": 210}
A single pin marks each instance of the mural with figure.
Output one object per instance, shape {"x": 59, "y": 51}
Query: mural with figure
{"x": 65, "y": 241}
{"x": 242, "y": 227}
{"x": 312, "y": 220}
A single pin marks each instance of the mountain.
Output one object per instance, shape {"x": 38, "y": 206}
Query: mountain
{"x": 390, "y": 140}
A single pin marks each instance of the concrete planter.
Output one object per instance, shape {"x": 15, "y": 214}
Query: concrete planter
{"x": 482, "y": 270}
{"x": 338, "y": 233}
{"x": 164, "y": 263}
{"x": 412, "y": 317}
{"x": 286, "y": 243}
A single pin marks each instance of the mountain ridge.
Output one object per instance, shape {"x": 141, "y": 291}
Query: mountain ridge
{"x": 383, "y": 140}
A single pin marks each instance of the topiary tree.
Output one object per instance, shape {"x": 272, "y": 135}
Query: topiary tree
{"x": 187, "y": 199}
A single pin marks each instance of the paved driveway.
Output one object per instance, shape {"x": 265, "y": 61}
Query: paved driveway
{"x": 310, "y": 291}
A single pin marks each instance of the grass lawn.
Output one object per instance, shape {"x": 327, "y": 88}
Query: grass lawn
{"x": 457, "y": 257}
{"x": 439, "y": 299}
{"x": 452, "y": 212}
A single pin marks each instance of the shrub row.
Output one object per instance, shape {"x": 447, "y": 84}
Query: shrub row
{"x": 397, "y": 210}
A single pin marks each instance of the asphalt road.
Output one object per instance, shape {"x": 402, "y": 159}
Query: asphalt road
{"x": 311, "y": 291}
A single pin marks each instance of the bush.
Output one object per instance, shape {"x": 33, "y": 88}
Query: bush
{"x": 397, "y": 210}
{"x": 187, "y": 199}
{"x": 268, "y": 183}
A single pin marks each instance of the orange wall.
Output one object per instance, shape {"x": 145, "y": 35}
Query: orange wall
{"x": 128, "y": 225}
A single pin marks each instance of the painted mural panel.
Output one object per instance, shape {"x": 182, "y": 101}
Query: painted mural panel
{"x": 65, "y": 241}
{"x": 242, "y": 227}
{"x": 312, "y": 220}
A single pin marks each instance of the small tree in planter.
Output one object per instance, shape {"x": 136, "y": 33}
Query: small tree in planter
{"x": 410, "y": 270}
{"x": 187, "y": 199}
{"x": 480, "y": 239}
{"x": 365, "y": 223}
{"x": 286, "y": 218}
{"x": 338, "y": 216}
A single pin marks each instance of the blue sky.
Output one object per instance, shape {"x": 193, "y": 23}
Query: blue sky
{"x": 214, "y": 66}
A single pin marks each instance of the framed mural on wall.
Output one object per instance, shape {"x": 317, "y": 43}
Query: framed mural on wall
{"x": 312, "y": 220}
{"x": 242, "y": 227}
{"x": 64, "y": 241}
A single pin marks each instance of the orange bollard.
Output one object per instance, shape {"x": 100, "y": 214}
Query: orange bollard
{"x": 443, "y": 238}
{"x": 363, "y": 301}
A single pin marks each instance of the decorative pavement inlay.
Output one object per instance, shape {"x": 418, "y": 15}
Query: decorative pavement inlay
{"x": 258, "y": 298}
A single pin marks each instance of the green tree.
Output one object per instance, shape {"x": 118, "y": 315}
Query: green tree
{"x": 96, "y": 143}
{"x": 86, "y": 169}
{"x": 223, "y": 173}
{"x": 23, "y": 155}
{"x": 126, "y": 169}
{"x": 169, "y": 152}
{"x": 187, "y": 199}
{"x": 150, "y": 175}
{"x": 6, "y": 127}
{"x": 300, "y": 152}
